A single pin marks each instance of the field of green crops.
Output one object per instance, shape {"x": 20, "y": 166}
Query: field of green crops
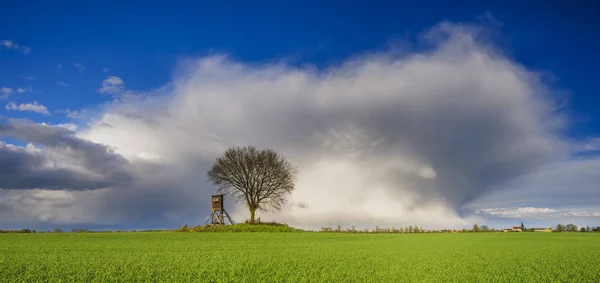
{"x": 299, "y": 257}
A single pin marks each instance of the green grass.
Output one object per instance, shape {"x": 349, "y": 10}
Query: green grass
{"x": 299, "y": 257}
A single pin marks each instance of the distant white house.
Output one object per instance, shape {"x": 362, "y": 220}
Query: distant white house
{"x": 513, "y": 229}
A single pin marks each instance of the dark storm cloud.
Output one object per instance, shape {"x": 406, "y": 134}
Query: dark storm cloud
{"x": 63, "y": 162}
{"x": 568, "y": 184}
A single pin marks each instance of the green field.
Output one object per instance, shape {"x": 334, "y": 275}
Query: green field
{"x": 299, "y": 257}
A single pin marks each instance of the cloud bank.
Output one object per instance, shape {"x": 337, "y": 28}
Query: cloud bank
{"x": 537, "y": 213}
{"x": 61, "y": 162}
{"x": 382, "y": 139}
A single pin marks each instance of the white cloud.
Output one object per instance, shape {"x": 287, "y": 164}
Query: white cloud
{"x": 28, "y": 78}
{"x": 10, "y": 45}
{"x": 30, "y": 107}
{"x": 113, "y": 80}
{"x": 68, "y": 126}
{"x": 592, "y": 144}
{"x": 7, "y": 43}
{"x": 79, "y": 67}
{"x": 389, "y": 139}
{"x": 24, "y": 90}
{"x": 106, "y": 70}
{"x": 112, "y": 85}
{"x": 73, "y": 114}
{"x": 379, "y": 140}
{"x": 63, "y": 84}
{"x": 11, "y": 106}
{"x": 5, "y": 92}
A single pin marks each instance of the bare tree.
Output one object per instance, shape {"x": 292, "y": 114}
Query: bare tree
{"x": 261, "y": 178}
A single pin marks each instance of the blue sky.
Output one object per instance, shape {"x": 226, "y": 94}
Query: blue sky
{"x": 59, "y": 54}
{"x": 142, "y": 43}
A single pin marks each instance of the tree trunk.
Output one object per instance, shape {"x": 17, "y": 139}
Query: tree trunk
{"x": 252, "y": 210}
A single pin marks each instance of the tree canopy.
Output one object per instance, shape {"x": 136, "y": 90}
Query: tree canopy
{"x": 261, "y": 178}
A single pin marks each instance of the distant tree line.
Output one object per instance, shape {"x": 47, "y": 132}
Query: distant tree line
{"x": 18, "y": 231}
{"x": 83, "y": 230}
{"x": 573, "y": 228}
{"x": 408, "y": 229}
{"x": 558, "y": 228}
{"x": 476, "y": 229}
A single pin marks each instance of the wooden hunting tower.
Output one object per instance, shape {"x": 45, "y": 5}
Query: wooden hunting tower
{"x": 219, "y": 214}
{"x": 217, "y": 202}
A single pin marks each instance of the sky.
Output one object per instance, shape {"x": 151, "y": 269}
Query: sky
{"x": 433, "y": 113}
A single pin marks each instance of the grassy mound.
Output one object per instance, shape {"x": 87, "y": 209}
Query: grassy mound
{"x": 245, "y": 227}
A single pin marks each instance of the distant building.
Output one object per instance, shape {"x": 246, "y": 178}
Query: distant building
{"x": 513, "y": 229}
{"x": 518, "y": 229}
